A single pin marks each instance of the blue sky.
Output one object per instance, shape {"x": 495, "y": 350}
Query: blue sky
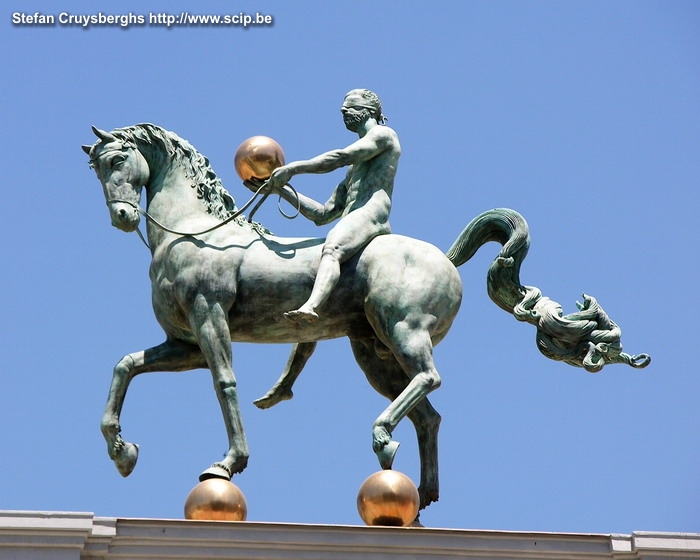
{"x": 583, "y": 116}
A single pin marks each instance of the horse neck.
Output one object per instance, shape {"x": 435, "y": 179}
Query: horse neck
{"x": 172, "y": 201}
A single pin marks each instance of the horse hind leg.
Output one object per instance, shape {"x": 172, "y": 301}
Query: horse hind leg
{"x": 172, "y": 355}
{"x": 410, "y": 342}
{"x": 388, "y": 378}
{"x": 282, "y": 389}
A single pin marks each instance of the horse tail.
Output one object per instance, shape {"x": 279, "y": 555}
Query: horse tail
{"x": 588, "y": 338}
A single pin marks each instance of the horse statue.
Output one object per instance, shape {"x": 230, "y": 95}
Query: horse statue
{"x": 218, "y": 278}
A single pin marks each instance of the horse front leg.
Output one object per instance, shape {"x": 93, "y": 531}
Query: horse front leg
{"x": 172, "y": 355}
{"x": 210, "y": 324}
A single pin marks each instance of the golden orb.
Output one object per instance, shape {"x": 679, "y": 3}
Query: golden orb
{"x": 388, "y": 498}
{"x": 216, "y": 499}
{"x": 257, "y": 158}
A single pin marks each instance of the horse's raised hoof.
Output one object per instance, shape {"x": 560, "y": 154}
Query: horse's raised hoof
{"x": 217, "y": 470}
{"x": 387, "y": 453}
{"x": 126, "y": 457}
{"x": 301, "y": 315}
{"x": 272, "y": 397}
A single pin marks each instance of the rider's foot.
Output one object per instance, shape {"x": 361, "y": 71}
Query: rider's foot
{"x": 302, "y": 314}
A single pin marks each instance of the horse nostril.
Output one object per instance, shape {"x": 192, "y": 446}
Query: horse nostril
{"x": 122, "y": 213}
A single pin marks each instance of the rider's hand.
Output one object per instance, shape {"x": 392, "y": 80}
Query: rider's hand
{"x": 279, "y": 178}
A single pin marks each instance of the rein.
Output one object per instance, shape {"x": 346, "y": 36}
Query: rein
{"x": 228, "y": 220}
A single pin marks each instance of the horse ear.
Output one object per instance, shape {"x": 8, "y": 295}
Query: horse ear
{"x": 86, "y": 149}
{"x": 104, "y": 135}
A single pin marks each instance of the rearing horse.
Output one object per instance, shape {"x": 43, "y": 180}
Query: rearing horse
{"x": 395, "y": 300}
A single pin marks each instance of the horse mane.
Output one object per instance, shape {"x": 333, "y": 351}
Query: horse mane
{"x": 210, "y": 190}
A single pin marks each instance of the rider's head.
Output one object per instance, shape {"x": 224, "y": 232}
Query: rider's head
{"x": 364, "y": 103}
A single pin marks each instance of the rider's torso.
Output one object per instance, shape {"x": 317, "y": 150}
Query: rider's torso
{"x": 371, "y": 183}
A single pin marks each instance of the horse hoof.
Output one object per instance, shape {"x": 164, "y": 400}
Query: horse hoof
{"x": 215, "y": 471}
{"x": 126, "y": 458}
{"x": 272, "y": 398}
{"x": 301, "y": 315}
{"x": 387, "y": 453}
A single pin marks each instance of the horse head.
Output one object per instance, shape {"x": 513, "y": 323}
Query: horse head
{"x": 123, "y": 171}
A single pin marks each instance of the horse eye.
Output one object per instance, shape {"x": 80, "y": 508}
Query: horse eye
{"x": 117, "y": 161}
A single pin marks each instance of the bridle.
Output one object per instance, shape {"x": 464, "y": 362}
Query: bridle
{"x": 126, "y": 144}
{"x": 228, "y": 220}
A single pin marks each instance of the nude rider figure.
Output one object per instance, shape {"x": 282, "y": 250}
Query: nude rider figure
{"x": 362, "y": 200}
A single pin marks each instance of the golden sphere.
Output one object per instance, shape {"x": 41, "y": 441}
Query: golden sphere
{"x": 216, "y": 499}
{"x": 388, "y": 498}
{"x": 257, "y": 158}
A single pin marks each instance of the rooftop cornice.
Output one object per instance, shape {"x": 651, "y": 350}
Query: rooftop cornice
{"x": 82, "y": 536}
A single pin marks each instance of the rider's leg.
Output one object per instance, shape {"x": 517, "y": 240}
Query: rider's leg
{"x": 326, "y": 279}
{"x": 349, "y": 235}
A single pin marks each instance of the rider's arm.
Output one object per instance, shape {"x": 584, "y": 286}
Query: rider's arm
{"x": 376, "y": 141}
{"x": 371, "y": 145}
{"x": 318, "y": 213}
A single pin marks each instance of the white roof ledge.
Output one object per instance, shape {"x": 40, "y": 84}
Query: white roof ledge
{"x": 28, "y": 535}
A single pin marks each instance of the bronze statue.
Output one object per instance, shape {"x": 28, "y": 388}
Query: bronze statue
{"x": 361, "y": 202}
{"x": 217, "y": 278}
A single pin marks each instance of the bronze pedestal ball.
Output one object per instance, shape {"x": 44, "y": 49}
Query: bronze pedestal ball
{"x": 216, "y": 499}
{"x": 388, "y": 498}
